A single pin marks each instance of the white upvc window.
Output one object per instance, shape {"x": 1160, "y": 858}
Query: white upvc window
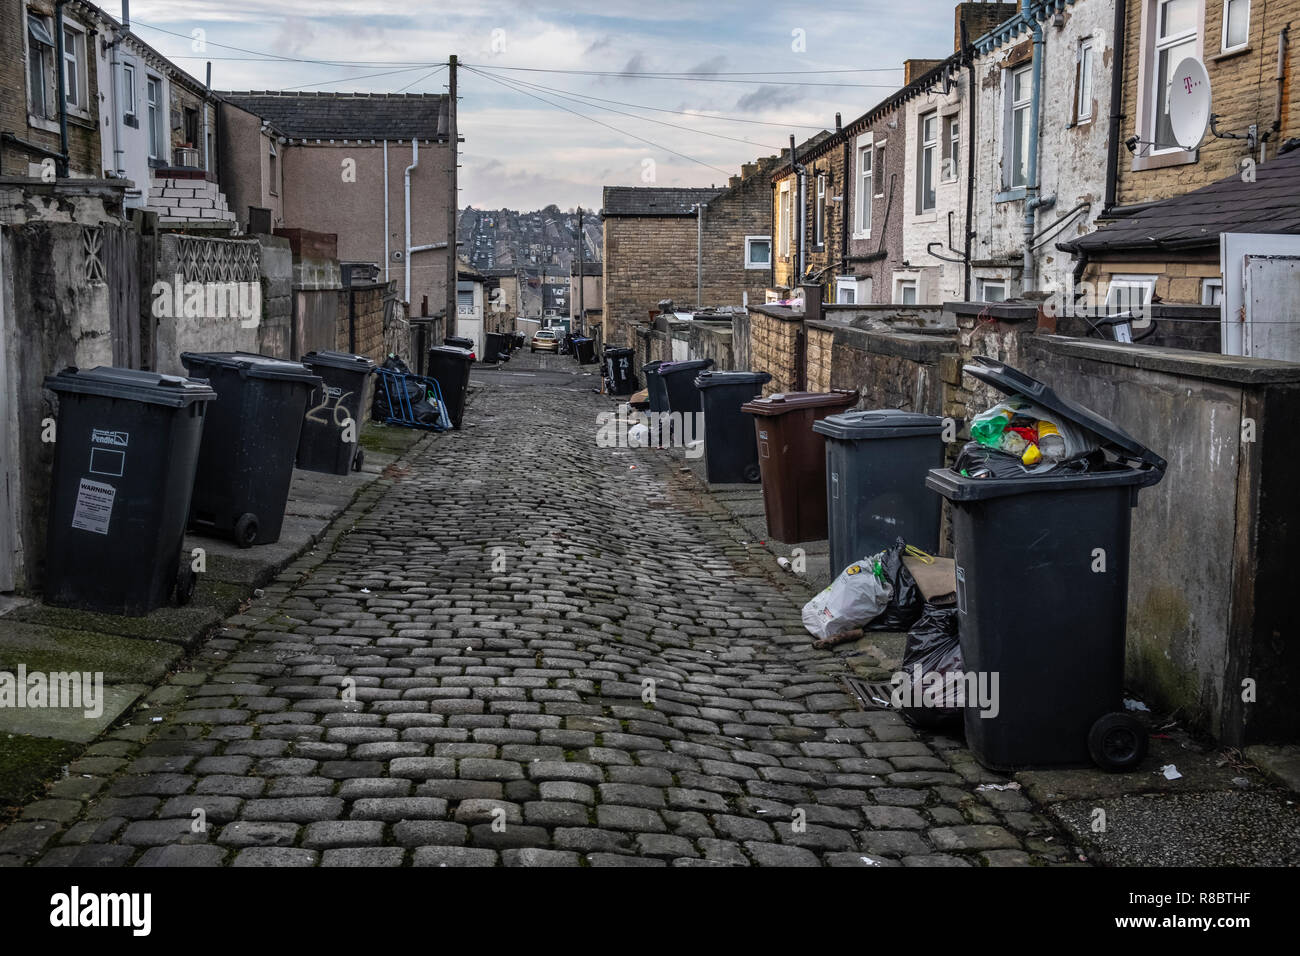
{"x": 1175, "y": 38}
{"x": 156, "y": 111}
{"x": 1019, "y": 93}
{"x": 951, "y": 147}
{"x": 1083, "y": 87}
{"x": 1127, "y": 292}
{"x": 273, "y": 162}
{"x": 819, "y": 212}
{"x": 74, "y": 67}
{"x": 850, "y": 290}
{"x": 993, "y": 290}
{"x": 1211, "y": 291}
{"x": 758, "y": 252}
{"x": 905, "y": 291}
{"x": 128, "y": 89}
{"x": 1236, "y": 25}
{"x": 866, "y": 190}
{"x": 783, "y": 220}
{"x": 929, "y": 143}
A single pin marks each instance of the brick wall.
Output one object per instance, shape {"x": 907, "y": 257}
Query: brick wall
{"x": 84, "y": 156}
{"x": 821, "y": 348}
{"x": 366, "y": 303}
{"x": 774, "y": 345}
{"x": 1244, "y": 89}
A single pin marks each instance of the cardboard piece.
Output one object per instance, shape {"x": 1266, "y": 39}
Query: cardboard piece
{"x": 937, "y": 582}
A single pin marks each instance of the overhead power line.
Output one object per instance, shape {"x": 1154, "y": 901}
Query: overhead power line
{"x": 510, "y": 86}
{"x": 775, "y": 78}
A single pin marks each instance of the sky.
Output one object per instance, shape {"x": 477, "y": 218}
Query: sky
{"x": 753, "y": 76}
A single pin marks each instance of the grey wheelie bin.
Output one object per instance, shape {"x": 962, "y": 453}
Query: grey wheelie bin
{"x": 127, "y": 446}
{"x": 730, "y": 447}
{"x": 654, "y": 386}
{"x": 249, "y": 443}
{"x": 679, "y": 384}
{"x": 1042, "y": 593}
{"x": 876, "y": 463}
{"x": 331, "y": 429}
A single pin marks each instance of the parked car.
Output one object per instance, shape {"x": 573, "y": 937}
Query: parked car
{"x": 546, "y": 340}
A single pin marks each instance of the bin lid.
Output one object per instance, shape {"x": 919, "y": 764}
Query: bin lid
{"x": 616, "y": 350}
{"x": 686, "y": 365}
{"x": 878, "y": 423}
{"x": 1015, "y": 382}
{"x": 709, "y": 379}
{"x": 251, "y": 365}
{"x": 332, "y": 359}
{"x": 652, "y": 366}
{"x": 782, "y": 402}
{"x": 154, "y": 388}
{"x": 455, "y": 350}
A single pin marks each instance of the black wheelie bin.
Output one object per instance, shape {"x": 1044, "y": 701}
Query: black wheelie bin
{"x": 730, "y": 448}
{"x": 1042, "y": 592}
{"x": 250, "y": 440}
{"x": 331, "y": 429}
{"x": 876, "y": 464}
{"x": 618, "y": 369}
{"x": 127, "y": 446}
{"x": 449, "y": 367}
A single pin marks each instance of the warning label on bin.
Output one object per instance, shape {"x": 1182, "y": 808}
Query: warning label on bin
{"x": 94, "y": 506}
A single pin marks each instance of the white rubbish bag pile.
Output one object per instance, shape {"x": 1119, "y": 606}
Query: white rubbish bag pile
{"x": 854, "y": 599}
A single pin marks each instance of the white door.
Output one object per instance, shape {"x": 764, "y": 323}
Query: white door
{"x": 1261, "y": 295}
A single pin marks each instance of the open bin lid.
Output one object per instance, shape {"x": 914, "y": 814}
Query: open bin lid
{"x": 331, "y": 359}
{"x": 878, "y": 423}
{"x": 251, "y": 365}
{"x": 154, "y": 388}
{"x": 1144, "y": 467}
{"x": 780, "y": 403}
{"x": 710, "y": 379}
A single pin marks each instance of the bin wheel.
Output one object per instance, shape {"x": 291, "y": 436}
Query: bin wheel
{"x": 186, "y": 581}
{"x": 1117, "y": 742}
{"x": 246, "y": 530}
{"x": 752, "y": 473}
{"x": 358, "y": 460}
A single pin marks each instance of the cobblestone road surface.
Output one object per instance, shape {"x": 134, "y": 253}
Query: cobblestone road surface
{"x": 499, "y": 606}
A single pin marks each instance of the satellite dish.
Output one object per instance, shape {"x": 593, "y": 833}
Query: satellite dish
{"x": 1189, "y": 102}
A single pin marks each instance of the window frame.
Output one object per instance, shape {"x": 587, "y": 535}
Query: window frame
{"x": 40, "y": 63}
{"x": 819, "y": 210}
{"x": 76, "y": 87}
{"x": 1223, "y": 28}
{"x": 1011, "y": 168}
{"x": 1083, "y": 80}
{"x": 130, "y": 100}
{"x": 866, "y": 190}
{"x": 783, "y": 219}
{"x": 1151, "y": 51}
{"x": 749, "y": 259}
{"x": 902, "y": 283}
{"x": 1120, "y": 280}
{"x": 1208, "y": 287}
{"x": 993, "y": 281}
{"x": 154, "y": 115}
{"x": 950, "y": 170}
{"x": 273, "y": 167}
{"x": 927, "y": 152}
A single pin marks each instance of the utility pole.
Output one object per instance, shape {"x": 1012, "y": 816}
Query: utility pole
{"x": 582, "y": 281}
{"x": 453, "y": 197}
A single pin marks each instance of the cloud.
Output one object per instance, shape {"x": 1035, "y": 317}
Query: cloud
{"x": 768, "y": 96}
{"x": 713, "y": 64}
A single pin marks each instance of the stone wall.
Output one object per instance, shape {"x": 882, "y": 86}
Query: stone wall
{"x": 361, "y": 321}
{"x": 776, "y": 347}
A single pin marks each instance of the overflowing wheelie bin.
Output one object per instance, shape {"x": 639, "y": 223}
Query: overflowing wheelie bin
{"x": 876, "y": 464}
{"x": 249, "y": 443}
{"x": 331, "y": 429}
{"x": 792, "y": 460}
{"x": 1041, "y": 544}
{"x": 730, "y": 448}
{"x": 124, "y": 459}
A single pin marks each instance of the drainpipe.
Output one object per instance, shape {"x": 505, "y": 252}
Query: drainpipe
{"x": 798, "y": 224}
{"x": 1032, "y": 200}
{"x": 386, "y": 211}
{"x": 415, "y": 161}
{"x": 59, "y": 71}
{"x": 699, "y": 256}
{"x": 970, "y": 160}
{"x": 115, "y": 69}
{"x": 207, "y": 91}
{"x": 844, "y": 206}
{"x": 1116, "y": 105}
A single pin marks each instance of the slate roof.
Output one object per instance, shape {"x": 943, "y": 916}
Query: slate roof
{"x": 310, "y": 115}
{"x": 1271, "y": 204}
{"x": 654, "y": 200}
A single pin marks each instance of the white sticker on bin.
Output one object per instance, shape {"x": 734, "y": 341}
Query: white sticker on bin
{"x": 94, "y": 506}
